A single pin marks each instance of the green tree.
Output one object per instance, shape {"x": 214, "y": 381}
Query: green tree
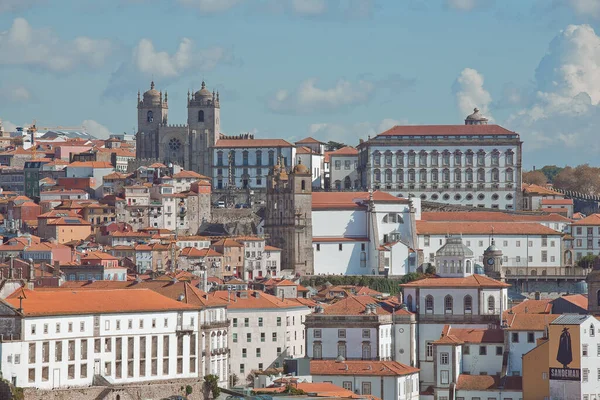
{"x": 211, "y": 383}
{"x": 430, "y": 270}
{"x": 587, "y": 261}
{"x": 331, "y": 145}
{"x": 583, "y": 179}
{"x": 551, "y": 171}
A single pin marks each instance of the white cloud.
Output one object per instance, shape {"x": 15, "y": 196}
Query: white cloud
{"x": 561, "y": 121}
{"x": 14, "y": 94}
{"x": 308, "y": 98}
{"x": 351, "y": 133}
{"x": 586, "y": 8}
{"x": 96, "y": 129}
{"x": 146, "y": 62}
{"x": 470, "y": 93}
{"x": 463, "y": 5}
{"x": 210, "y": 6}
{"x": 15, "y": 5}
{"x": 41, "y": 48}
{"x": 309, "y": 7}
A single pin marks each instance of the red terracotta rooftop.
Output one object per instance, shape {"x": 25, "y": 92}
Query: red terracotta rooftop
{"x": 446, "y": 130}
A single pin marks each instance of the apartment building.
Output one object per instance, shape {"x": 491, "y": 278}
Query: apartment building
{"x": 264, "y": 330}
{"x": 63, "y": 338}
{"x": 586, "y": 236}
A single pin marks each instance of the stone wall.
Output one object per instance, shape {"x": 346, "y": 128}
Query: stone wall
{"x": 150, "y": 391}
{"x": 237, "y": 221}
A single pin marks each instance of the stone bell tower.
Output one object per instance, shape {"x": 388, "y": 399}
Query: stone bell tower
{"x": 204, "y": 126}
{"x": 152, "y": 113}
{"x": 492, "y": 259}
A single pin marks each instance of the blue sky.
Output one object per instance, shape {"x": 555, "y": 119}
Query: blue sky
{"x": 333, "y": 69}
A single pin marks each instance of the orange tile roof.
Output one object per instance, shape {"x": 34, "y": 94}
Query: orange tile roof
{"x": 254, "y": 300}
{"x": 542, "y": 306}
{"x": 309, "y": 140}
{"x": 339, "y": 239}
{"x": 446, "y": 130}
{"x": 354, "y": 305}
{"x": 116, "y": 176}
{"x": 556, "y": 210}
{"x": 189, "y": 174}
{"x": 483, "y": 228}
{"x": 474, "y": 335}
{"x": 228, "y": 243}
{"x": 304, "y": 150}
{"x": 271, "y": 248}
{"x": 68, "y": 221}
{"x": 350, "y": 200}
{"x": 593, "y": 219}
{"x": 227, "y": 143}
{"x": 488, "y": 382}
{"x": 71, "y": 302}
{"x": 528, "y": 322}
{"x": 578, "y": 215}
{"x": 195, "y": 252}
{"x": 248, "y": 239}
{"x": 90, "y": 164}
{"x": 540, "y": 190}
{"x": 557, "y": 202}
{"x": 472, "y": 281}
{"x": 482, "y": 216}
{"x": 157, "y": 165}
{"x": 344, "y": 151}
{"x": 360, "y": 368}
{"x": 577, "y": 299}
{"x": 98, "y": 255}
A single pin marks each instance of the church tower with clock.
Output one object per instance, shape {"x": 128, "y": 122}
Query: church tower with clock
{"x": 187, "y": 145}
{"x": 492, "y": 259}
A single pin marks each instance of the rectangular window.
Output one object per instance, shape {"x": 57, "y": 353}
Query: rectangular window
{"x": 278, "y": 321}
{"x": 445, "y": 377}
{"x": 515, "y": 337}
{"x": 585, "y": 374}
{"x": 262, "y": 336}
{"x": 518, "y": 243}
{"x": 429, "y": 349}
{"x": 258, "y": 352}
{"x": 340, "y": 247}
{"x": 584, "y": 350}
{"x": 341, "y": 333}
{"x": 499, "y": 350}
{"x": 244, "y": 353}
{"x": 482, "y": 350}
{"x": 366, "y": 333}
{"x": 347, "y": 385}
{"x": 444, "y": 358}
{"x": 246, "y": 322}
{"x": 274, "y": 334}
{"x": 466, "y": 349}
{"x": 544, "y": 256}
{"x": 58, "y": 351}
{"x": 260, "y": 321}
{"x": 530, "y": 337}
{"x": 366, "y": 388}
{"x": 248, "y": 337}
{"x": 234, "y": 337}
{"x": 234, "y": 322}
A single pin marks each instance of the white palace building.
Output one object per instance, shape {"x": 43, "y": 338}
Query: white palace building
{"x": 474, "y": 164}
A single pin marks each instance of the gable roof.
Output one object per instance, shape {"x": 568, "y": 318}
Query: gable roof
{"x": 528, "y": 322}
{"x": 470, "y": 335}
{"x": 577, "y": 299}
{"x": 253, "y": 299}
{"x": 483, "y": 228}
{"x": 530, "y": 306}
{"x": 488, "y": 382}
{"x": 351, "y": 200}
{"x": 360, "y": 368}
{"x": 71, "y": 302}
{"x": 473, "y": 281}
{"x": 540, "y": 190}
{"x": 309, "y": 140}
{"x": 446, "y": 130}
{"x": 482, "y": 216}
{"x": 344, "y": 151}
{"x": 593, "y": 219}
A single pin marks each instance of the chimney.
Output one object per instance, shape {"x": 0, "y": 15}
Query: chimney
{"x": 11, "y": 268}
{"x": 56, "y": 268}
{"x": 31, "y": 271}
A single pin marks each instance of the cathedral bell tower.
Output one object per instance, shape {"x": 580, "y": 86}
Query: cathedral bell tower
{"x": 492, "y": 259}
{"x": 204, "y": 127}
{"x": 152, "y": 112}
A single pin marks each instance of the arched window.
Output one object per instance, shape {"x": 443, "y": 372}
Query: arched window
{"x": 468, "y": 267}
{"x": 445, "y": 266}
{"x": 457, "y": 158}
{"x": 423, "y": 175}
{"x": 469, "y": 175}
{"x": 388, "y": 175}
{"x": 446, "y": 175}
{"x": 495, "y": 158}
{"x": 400, "y": 175}
{"x": 480, "y": 175}
{"x": 509, "y": 160}
{"x": 150, "y": 116}
{"x": 434, "y": 175}
{"x": 409, "y": 302}
{"x": 317, "y": 351}
{"x": 338, "y": 185}
{"x": 258, "y": 157}
{"x": 411, "y": 158}
{"x": 423, "y": 158}
{"x": 377, "y": 175}
{"x": 457, "y": 175}
{"x": 491, "y": 304}
{"x": 452, "y": 267}
{"x": 377, "y": 158}
{"x": 509, "y": 175}
{"x": 429, "y": 303}
{"x": 399, "y": 159}
{"x": 446, "y": 158}
{"x": 448, "y": 304}
{"x": 388, "y": 158}
{"x": 347, "y": 183}
{"x": 495, "y": 175}
{"x": 434, "y": 158}
{"x": 468, "y": 303}
{"x": 366, "y": 351}
{"x": 341, "y": 350}
{"x": 200, "y": 116}
{"x": 411, "y": 175}
{"x": 469, "y": 157}
{"x": 481, "y": 158}
{"x": 303, "y": 185}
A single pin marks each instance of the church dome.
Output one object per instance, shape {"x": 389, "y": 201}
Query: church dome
{"x": 301, "y": 169}
{"x": 203, "y": 93}
{"x": 492, "y": 249}
{"x": 476, "y": 118}
{"x": 152, "y": 94}
{"x": 454, "y": 247}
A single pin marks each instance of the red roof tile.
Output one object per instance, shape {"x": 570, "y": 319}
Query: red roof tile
{"x": 543, "y": 306}
{"x": 309, "y": 140}
{"x": 446, "y": 130}
{"x": 481, "y": 216}
{"x": 483, "y": 228}
{"x": 540, "y": 190}
{"x": 360, "y": 368}
{"x": 254, "y": 300}
{"x": 228, "y": 143}
{"x": 557, "y": 202}
{"x": 90, "y": 164}
{"x": 472, "y": 281}
{"x": 488, "y": 382}
{"x": 593, "y": 219}
{"x": 577, "y": 299}
{"x": 350, "y": 200}
{"x": 344, "y": 151}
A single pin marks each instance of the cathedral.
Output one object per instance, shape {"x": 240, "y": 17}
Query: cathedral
{"x": 186, "y": 145}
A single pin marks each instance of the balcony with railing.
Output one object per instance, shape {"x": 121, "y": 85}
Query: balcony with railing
{"x": 215, "y": 324}
{"x": 546, "y": 273}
